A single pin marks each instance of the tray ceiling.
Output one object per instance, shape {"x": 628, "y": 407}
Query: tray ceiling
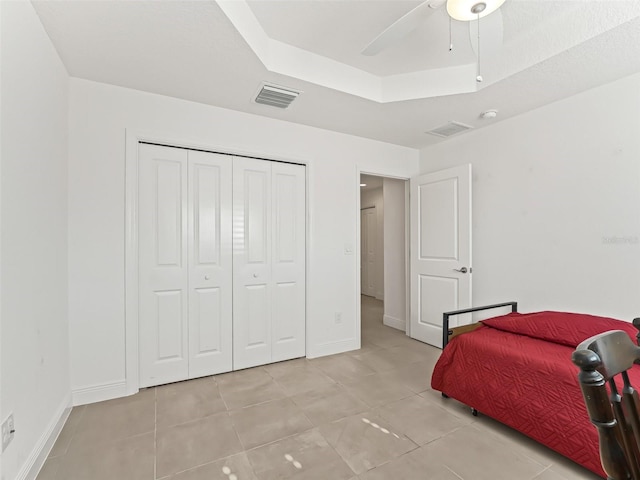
{"x": 202, "y": 51}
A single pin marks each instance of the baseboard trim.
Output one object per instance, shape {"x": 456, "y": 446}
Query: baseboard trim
{"x": 394, "y": 322}
{"x": 40, "y": 452}
{"x": 332, "y": 348}
{"x": 99, "y": 393}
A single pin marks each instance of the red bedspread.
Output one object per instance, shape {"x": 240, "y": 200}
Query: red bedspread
{"x": 527, "y": 383}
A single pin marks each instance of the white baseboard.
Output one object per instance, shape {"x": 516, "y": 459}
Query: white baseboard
{"x": 40, "y": 452}
{"x": 394, "y": 322}
{"x": 98, "y": 393}
{"x": 332, "y": 348}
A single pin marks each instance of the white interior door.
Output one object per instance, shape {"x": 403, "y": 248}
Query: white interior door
{"x": 288, "y": 260}
{"x": 222, "y": 247}
{"x": 269, "y": 245}
{"x": 368, "y": 224}
{"x": 252, "y": 296}
{"x": 210, "y": 264}
{"x": 440, "y": 249}
{"x": 185, "y": 264}
{"x": 163, "y": 272}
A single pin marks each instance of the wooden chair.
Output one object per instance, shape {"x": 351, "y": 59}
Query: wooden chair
{"x": 616, "y": 414}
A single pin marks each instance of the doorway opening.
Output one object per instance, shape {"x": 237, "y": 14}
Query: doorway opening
{"x": 383, "y": 256}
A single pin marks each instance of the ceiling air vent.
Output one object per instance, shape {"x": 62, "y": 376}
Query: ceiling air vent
{"x": 276, "y": 96}
{"x": 449, "y": 129}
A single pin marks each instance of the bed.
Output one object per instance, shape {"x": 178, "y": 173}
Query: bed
{"x": 517, "y": 369}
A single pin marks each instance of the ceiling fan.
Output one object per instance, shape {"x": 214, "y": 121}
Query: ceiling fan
{"x": 462, "y": 10}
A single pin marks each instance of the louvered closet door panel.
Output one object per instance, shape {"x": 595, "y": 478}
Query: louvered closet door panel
{"x": 210, "y": 264}
{"x": 288, "y": 261}
{"x": 163, "y": 296}
{"x": 251, "y": 262}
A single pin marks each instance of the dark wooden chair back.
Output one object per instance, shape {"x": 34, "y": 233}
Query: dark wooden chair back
{"x": 611, "y": 400}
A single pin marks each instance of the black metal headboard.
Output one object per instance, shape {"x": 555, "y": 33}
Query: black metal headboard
{"x": 445, "y": 317}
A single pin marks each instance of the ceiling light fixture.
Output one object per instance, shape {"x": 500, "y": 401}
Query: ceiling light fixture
{"x": 363, "y": 184}
{"x": 489, "y": 114}
{"x": 468, "y": 10}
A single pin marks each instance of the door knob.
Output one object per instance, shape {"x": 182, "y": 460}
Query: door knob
{"x": 255, "y": 275}
{"x": 206, "y": 277}
{"x": 461, "y": 270}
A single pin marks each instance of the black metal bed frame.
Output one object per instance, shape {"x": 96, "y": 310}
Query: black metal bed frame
{"x": 445, "y": 317}
{"x": 446, "y": 331}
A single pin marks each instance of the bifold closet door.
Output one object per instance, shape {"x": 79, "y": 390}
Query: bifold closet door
{"x": 185, "y": 264}
{"x": 268, "y": 262}
{"x": 163, "y": 275}
{"x": 288, "y": 261}
{"x": 210, "y": 264}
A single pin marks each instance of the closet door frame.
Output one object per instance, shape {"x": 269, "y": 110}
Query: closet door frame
{"x": 133, "y": 138}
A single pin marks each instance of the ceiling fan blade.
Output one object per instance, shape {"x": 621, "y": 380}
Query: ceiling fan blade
{"x": 491, "y": 34}
{"x": 402, "y": 27}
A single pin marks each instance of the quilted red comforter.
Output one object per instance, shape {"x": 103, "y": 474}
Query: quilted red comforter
{"x": 517, "y": 369}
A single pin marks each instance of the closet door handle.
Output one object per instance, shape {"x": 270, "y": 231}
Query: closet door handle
{"x": 255, "y": 275}
{"x": 461, "y": 270}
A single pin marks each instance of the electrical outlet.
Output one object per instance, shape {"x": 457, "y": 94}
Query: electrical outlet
{"x": 338, "y": 318}
{"x": 8, "y": 431}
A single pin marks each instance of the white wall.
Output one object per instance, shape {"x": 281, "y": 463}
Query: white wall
{"x": 551, "y": 189}
{"x": 395, "y": 275}
{"x": 368, "y": 199}
{"x": 99, "y": 115}
{"x": 35, "y": 372}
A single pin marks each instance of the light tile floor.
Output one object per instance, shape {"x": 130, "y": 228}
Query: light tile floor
{"x": 368, "y": 415}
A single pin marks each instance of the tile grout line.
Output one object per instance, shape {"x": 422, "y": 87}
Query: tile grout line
{"x": 200, "y": 465}
{"x": 447, "y": 467}
{"x": 74, "y": 431}
{"x": 548, "y": 468}
{"x": 279, "y": 440}
{"x": 256, "y": 404}
{"x": 253, "y": 468}
{"x": 63, "y": 455}
{"x": 226, "y": 407}
{"x": 344, "y": 460}
{"x": 235, "y": 430}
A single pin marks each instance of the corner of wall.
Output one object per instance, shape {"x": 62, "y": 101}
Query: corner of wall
{"x": 394, "y": 322}
{"x": 99, "y": 393}
{"x": 45, "y": 443}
